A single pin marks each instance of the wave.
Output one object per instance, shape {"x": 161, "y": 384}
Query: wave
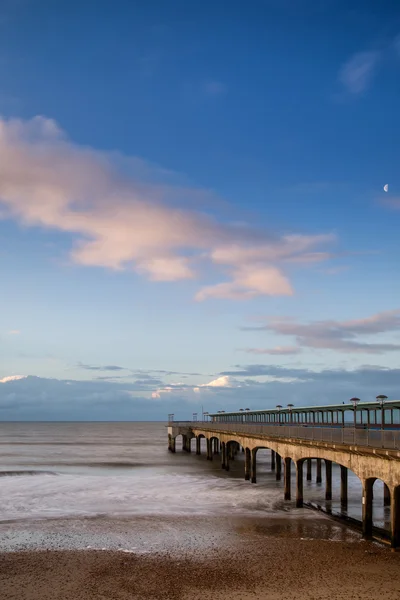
{"x": 21, "y": 473}
{"x": 107, "y": 465}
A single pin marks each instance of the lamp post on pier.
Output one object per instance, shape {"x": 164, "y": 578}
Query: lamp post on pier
{"x": 382, "y": 399}
{"x": 355, "y": 401}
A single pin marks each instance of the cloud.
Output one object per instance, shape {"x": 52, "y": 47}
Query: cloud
{"x": 40, "y": 399}
{"x": 341, "y": 336}
{"x": 278, "y": 351}
{"x": 14, "y": 332}
{"x": 251, "y": 274}
{"x": 12, "y": 378}
{"x": 356, "y": 74}
{"x": 222, "y": 382}
{"x": 225, "y": 381}
{"x": 124, "y": 214}
{"x": 100, "y": 367}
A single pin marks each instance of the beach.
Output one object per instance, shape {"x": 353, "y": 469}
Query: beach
{"x": 276, "y": 569}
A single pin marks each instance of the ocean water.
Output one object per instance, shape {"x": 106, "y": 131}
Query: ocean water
{"x": 59, "y": 479}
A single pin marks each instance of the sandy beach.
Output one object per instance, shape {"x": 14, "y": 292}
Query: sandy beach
{"x": 274, "y": 569}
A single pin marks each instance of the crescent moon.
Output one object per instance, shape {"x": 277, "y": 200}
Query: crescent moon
{"x": 386, "y": 187}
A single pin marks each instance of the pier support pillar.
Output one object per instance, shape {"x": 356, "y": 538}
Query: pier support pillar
{"x": 223, "y": 455}
{"x": 253, "y": 477}
{"x": 309, "y": 469}
{"x": 198, "y": 445}
{"x": 209, "y": 450}
{"x": 189, "y": 444}
{"x": 299, "y": 484}
{"x": 231, "y": 447}
{"x": 278, "y": 470}
{"x": 344, "y": 476}
{"x": 287, "y": 481}
{"x": 216, "y": 448}
{"x": 172, "y": 448}
{"x": 319, "y": 471}
{"x": 272, "y": 460}
{"x": 247, "y": 464}
{"x": 328, "y": 476}
{"x": 386, "y": 495}
{"x": 367, "y": 508}
{"x": 169, "y": 442}
{"x": 184, "y": 443}
{"x": 395, "y": 518}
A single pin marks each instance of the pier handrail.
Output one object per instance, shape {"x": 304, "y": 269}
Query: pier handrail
{"x": 373, "y": 438}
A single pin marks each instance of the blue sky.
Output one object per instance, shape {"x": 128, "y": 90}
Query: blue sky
{"x": 192, "y": 195}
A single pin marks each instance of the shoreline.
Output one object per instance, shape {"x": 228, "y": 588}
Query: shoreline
{"x": 379, "y": 534}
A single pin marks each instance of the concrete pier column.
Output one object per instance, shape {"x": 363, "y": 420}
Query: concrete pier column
{"x": 299, "y": 484}
{"x": 198, "y": 445}
{"x": 184, "y": 443}
{"x": 189, "y": 444}
{"x": 344, "y": 476}
{"x": 309, "y": 469}
{"x": 272, "y": 460}
{"x": 328, "y": 477}
{"x": 319, "y": 471}
{"x": 227, "y": 457}
{"x": 367, "y": 508}
{"x": 232, "y": 451}
{"x": 172, "y": 445}
{"x": 169, "y": 441}
{"x": 386, "y": 495}
{"x": 253, "y": 477}
{"x": 287, "y": 480}
{"x": 223, "y": 455}
{"x": 278, "y": 470}
{"x": 209, "y": 450}
{"x": 247, "y": 464}
{"x": 216, "y": 449}
{"x": 395, "y": 517}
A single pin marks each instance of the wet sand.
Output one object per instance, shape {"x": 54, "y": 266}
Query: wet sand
{"x": 262, "y": 567}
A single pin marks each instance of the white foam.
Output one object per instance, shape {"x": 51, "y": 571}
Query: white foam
{"x": 145, "y": 494}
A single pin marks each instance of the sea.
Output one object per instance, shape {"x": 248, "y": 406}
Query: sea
{"x": 116, "y": 486}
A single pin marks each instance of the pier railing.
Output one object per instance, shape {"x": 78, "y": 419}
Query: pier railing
{"x": 384, "y": 438}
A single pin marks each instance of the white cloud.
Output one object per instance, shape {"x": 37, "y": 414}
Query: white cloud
{"x": 14, "y": 332}
{"x": 223, "y": 381}
{"x": 356, "y": 74}
{"x": 12, "y": 378}
{"x": 134, "y": 222}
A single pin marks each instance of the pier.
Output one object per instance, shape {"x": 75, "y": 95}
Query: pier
{"x": 367, "y": 443}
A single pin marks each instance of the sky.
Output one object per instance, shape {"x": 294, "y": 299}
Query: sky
{"x": 192, "y": 212}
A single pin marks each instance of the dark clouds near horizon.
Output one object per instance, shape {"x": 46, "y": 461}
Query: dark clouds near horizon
{"x": 40, "y": 399}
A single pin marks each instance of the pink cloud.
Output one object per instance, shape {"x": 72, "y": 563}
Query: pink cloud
{"x": 130, "y": 222}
